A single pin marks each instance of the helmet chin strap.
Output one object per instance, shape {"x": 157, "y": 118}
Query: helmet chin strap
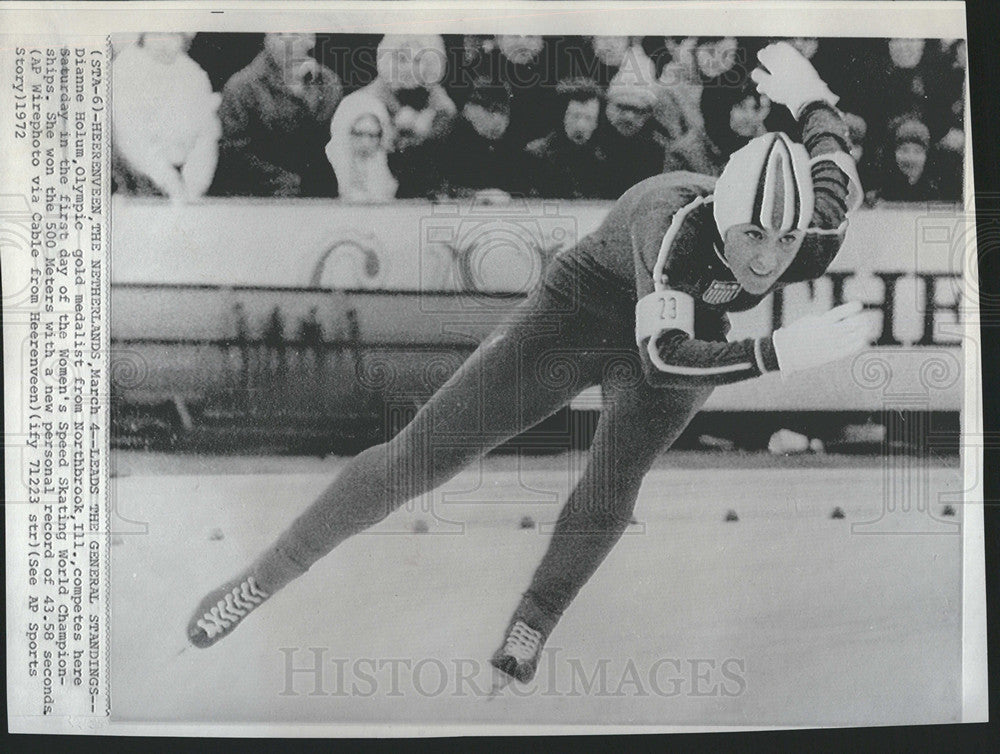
{"x": 659, "y": 283}
{"x": 719, "y": 246}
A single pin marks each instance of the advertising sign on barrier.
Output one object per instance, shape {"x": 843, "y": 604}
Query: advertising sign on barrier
{"x": 440, "y": 276}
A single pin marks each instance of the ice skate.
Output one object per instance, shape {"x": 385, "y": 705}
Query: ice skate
{"x": 223, "y": 609}
{"x": 520, "y": 653}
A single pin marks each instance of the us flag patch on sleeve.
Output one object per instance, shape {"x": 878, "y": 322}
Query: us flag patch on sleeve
{"x": 720, "y": 292}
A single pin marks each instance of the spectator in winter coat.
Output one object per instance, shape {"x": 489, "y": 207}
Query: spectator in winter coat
{"x": 410, "y": 70}
{"x": 166, "y": 129}
{"x": 627, "y": 133}
{"x": 479, "y": 157}
{"x": 275, "y": 121}
{"x": 569, "y": 163}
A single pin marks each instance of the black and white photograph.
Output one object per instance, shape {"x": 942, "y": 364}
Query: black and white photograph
{"x": 522, "y": 372}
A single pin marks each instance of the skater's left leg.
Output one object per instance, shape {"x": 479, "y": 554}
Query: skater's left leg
{"x": 637, "y": 423}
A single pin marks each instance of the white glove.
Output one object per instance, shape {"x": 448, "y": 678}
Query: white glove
{"x": 789, "y": 79}
{"x": 821, "y": 338}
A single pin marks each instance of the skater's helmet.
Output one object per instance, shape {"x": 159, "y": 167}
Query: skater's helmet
{"x": 768, "y": 183}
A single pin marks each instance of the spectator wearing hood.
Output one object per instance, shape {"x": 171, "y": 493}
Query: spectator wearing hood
{"x": 166, "y": 129}
{"x": 275, "y": 121}
{"x": 360, "y": 138}
{"x": 410, "y": 70}
{"x": 627, "y": 132}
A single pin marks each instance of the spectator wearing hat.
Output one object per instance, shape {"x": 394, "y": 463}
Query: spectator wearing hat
{"x": 627, "y": 132}
{"x": 909, "y": 176}
{"x": 525, "y": 63}
{"x": 410, "y": 70}
{"x": 569, "y": 163}
{"x": 166, "y": 127}
{"x": 479, "y": 157}
{"x": 911, "y": 78}
{"x": 717, "y": 57}
{"x": 275, "y": 123}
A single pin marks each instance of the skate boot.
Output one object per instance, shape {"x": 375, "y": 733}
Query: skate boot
{"x": 521, "y": 651}
{"x": 223, "y": 609}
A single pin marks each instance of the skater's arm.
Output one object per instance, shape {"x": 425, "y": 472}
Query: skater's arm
{"x": 667, "y": 333}
{"x": 836, "y": 189}
{"x": 677, "y": 358}
{"x": 673, "y": 357}
{"x": 789, "y": 79}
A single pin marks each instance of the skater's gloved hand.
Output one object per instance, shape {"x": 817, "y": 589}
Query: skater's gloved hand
{"x": 788, "y": 78}
{"x": 821, "y": 338}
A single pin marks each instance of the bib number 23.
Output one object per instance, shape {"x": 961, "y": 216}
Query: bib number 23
{"x": 663, "y": 310}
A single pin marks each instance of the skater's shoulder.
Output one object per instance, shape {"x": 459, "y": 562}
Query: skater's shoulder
{"x": 668, "y": 192}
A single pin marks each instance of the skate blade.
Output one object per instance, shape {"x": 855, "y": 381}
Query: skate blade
{"x": 500, "y": 683}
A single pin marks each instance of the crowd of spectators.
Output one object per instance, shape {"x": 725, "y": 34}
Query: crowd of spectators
{"x": 369, "y": 118}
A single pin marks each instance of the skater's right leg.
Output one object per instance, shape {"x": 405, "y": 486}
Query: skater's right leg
{"x": 488, "y": 401}
{"x": 500, "y": 391}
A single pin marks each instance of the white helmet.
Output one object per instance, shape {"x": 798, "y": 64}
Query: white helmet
{"x": 768, "y": 183}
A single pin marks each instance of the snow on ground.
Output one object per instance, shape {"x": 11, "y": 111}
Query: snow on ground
{"x": 785, "y": 617}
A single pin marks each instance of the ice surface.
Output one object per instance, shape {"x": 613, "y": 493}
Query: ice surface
{"x": 784, "y": 617}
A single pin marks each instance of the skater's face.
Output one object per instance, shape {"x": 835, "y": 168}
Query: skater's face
{"x": 758, "y": 257}
{"x": 580, "y": 120}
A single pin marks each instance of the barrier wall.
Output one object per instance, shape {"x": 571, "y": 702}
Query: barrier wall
{"x": 315, "y": 297}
